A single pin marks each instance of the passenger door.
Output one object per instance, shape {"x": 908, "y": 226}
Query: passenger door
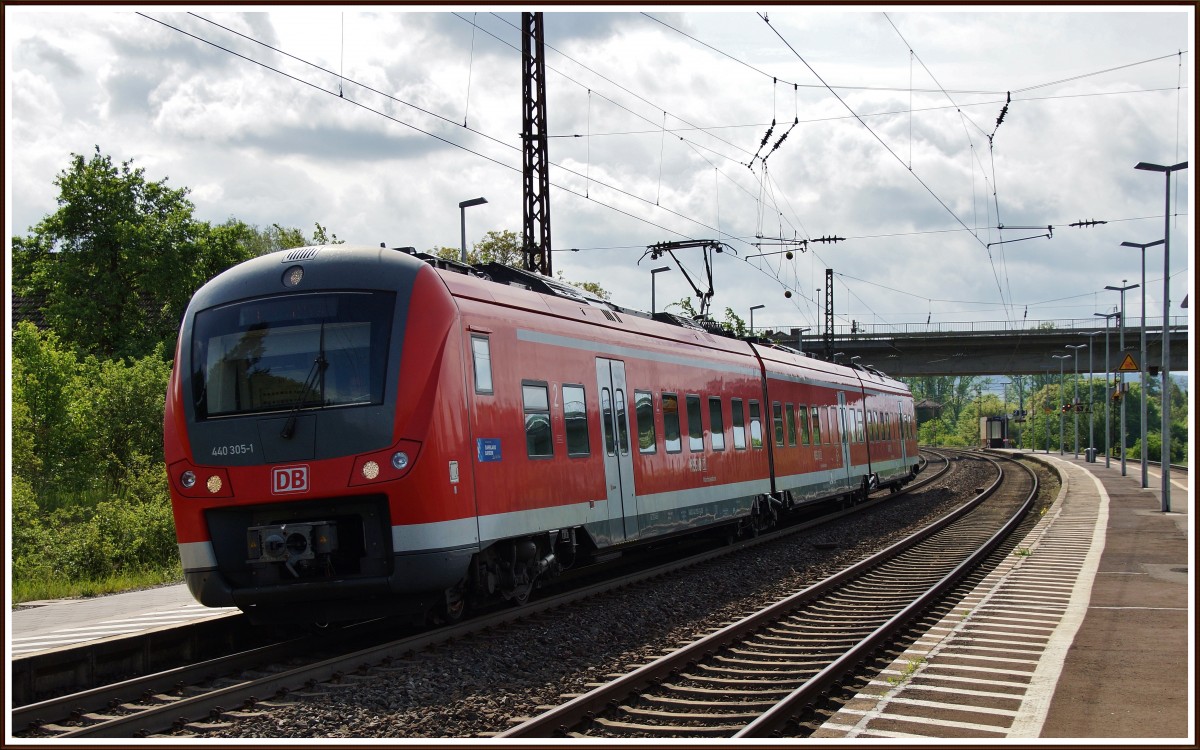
{"x": 844, "y": 423}
{"x": 618, "y": 459}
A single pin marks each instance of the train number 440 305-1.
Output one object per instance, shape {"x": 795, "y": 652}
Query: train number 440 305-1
{"x": 240, "y": 449}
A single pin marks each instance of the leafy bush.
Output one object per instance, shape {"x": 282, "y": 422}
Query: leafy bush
{"x": 89, "y": 489}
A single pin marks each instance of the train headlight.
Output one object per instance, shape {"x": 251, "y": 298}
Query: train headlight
{"x": 386, "y": 465}
{"x": 214, "y": 484}
{"x": 188, "y": 479}
{"x": 292, "y": 276}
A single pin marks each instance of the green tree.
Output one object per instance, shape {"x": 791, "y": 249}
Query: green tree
{"x": 734, "y": 323}
{"x": 504, "y": 247}
{"x": 44, "y": 409}
{"x": 116, "y": 263}
{"x": 685, "y": 306}
{"x": 507, "y": 248}
{"x": 275, "y": 237}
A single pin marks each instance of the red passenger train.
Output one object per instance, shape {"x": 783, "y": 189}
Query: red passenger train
{"x": 352, "y": 431}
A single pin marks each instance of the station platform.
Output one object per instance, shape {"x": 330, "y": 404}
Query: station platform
{"x": 1083, "y": 632}
{"x": 46, "y": 625}
{"x": 1129, "y": 671}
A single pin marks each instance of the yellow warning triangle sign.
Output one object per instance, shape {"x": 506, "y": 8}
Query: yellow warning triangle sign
{"x": 1128, "y": 365}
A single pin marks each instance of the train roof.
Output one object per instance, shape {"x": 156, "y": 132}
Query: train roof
{"x": 520, "y": 289}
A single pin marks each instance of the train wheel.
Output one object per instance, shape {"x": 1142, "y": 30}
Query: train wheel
{"x": 454, "y": 605}
{"x": 519, "y": 596}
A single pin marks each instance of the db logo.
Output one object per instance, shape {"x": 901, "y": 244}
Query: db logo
{"x": 287, "y": 479}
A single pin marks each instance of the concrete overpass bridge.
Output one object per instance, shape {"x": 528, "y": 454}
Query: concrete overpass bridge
{"x": 994, "y": 347}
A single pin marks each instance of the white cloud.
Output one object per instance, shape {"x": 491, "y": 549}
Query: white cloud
{"x": 254, "y": 144}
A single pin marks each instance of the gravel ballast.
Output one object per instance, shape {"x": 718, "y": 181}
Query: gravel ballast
{"x": 475, "y": 686}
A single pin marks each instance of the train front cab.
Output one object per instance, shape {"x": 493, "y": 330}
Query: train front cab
{"x": 296, "y": 503}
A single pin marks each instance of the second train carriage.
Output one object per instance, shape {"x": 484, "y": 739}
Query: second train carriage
{"x": 353, "y": 430}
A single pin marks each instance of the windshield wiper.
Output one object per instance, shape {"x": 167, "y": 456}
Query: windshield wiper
{"x": 315, "y": 374}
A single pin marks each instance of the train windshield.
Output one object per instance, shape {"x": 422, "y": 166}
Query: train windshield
{"x": 291, "y": 352}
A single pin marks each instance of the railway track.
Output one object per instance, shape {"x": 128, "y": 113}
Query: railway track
{"x": 754, "y": 677}
{"x": 203, "y": 696}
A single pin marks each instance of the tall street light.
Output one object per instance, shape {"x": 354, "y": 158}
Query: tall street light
{"x": 1166, "y": 344}
{"x": 1121, "y": 347}
{"x": 1091, "y": 390}
{"x": 462, "y": 215}
{"x": 1107, "y": 400}
{"x": 1145, "y": 473}
{"x": 1075, "y": 405}
{"x": 1062, "y": 394}
{"x": 752, "y": 309}
{"x": 1046, "y": 412}
{"x": 654, "y": 272}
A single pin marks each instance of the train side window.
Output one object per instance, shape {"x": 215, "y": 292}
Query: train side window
{"x": 539, "y": 441}
{"x": 860, "y": 426}
{"x": 695, "y": 424}
{"x": 481, "y": 353}
{"x": 791, "y": 424}
{"x": 805, "y": 431}
{"x": 739, "y": 424}
{"x": 756, "y": 436}
{"x": 816, "y": 425}
{"x": 622, "y": 422}
{"x": 777, "y": 408}
{"x": 575, "y": 416}
{"x": 716, "y": 421}
{"x": 672, "y": 442}
{"x": 643, "y": 406}
{"x": 606, "y": 415}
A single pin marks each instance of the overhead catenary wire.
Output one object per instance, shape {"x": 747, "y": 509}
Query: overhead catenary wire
{"x": 586, "y": 176}
{"x": 411, "y": 126}
{"x": 423, "y": 110}
{"x": 414, "y": 127}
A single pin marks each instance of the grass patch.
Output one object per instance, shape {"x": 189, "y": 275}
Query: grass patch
{"x": 38, "y": 588}
{"x": 913, "y": 665}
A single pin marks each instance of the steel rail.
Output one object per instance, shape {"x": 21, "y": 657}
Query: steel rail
{"x": 558, "y": 721}
{"x": 250, "y": 691}
{"x": 806, "y": 696}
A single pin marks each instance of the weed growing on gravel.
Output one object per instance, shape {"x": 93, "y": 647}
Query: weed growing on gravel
{"x": 913, "y": 665}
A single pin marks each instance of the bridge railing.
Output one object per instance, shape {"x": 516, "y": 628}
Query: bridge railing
{"x": 869, "y": 330}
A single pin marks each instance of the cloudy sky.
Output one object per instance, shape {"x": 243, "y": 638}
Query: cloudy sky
{"x": 377, "y": 123}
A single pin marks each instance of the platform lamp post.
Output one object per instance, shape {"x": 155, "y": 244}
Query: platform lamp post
{"x": 1046, "y": 412}
{"x": 1107, "y": 400}
{"x": 752, "y": 309}
{"x": 462, "y": 215}
{"x": 1121, "y": 347}
{"x": 1075, "y": 404}
{"x": 1143, "y": 363}
{"x": 1091, "y": 390}
{"x": 654, "y": 272}
{"x": 1062, "y": 394}
{"x": 1166, "y": 343}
